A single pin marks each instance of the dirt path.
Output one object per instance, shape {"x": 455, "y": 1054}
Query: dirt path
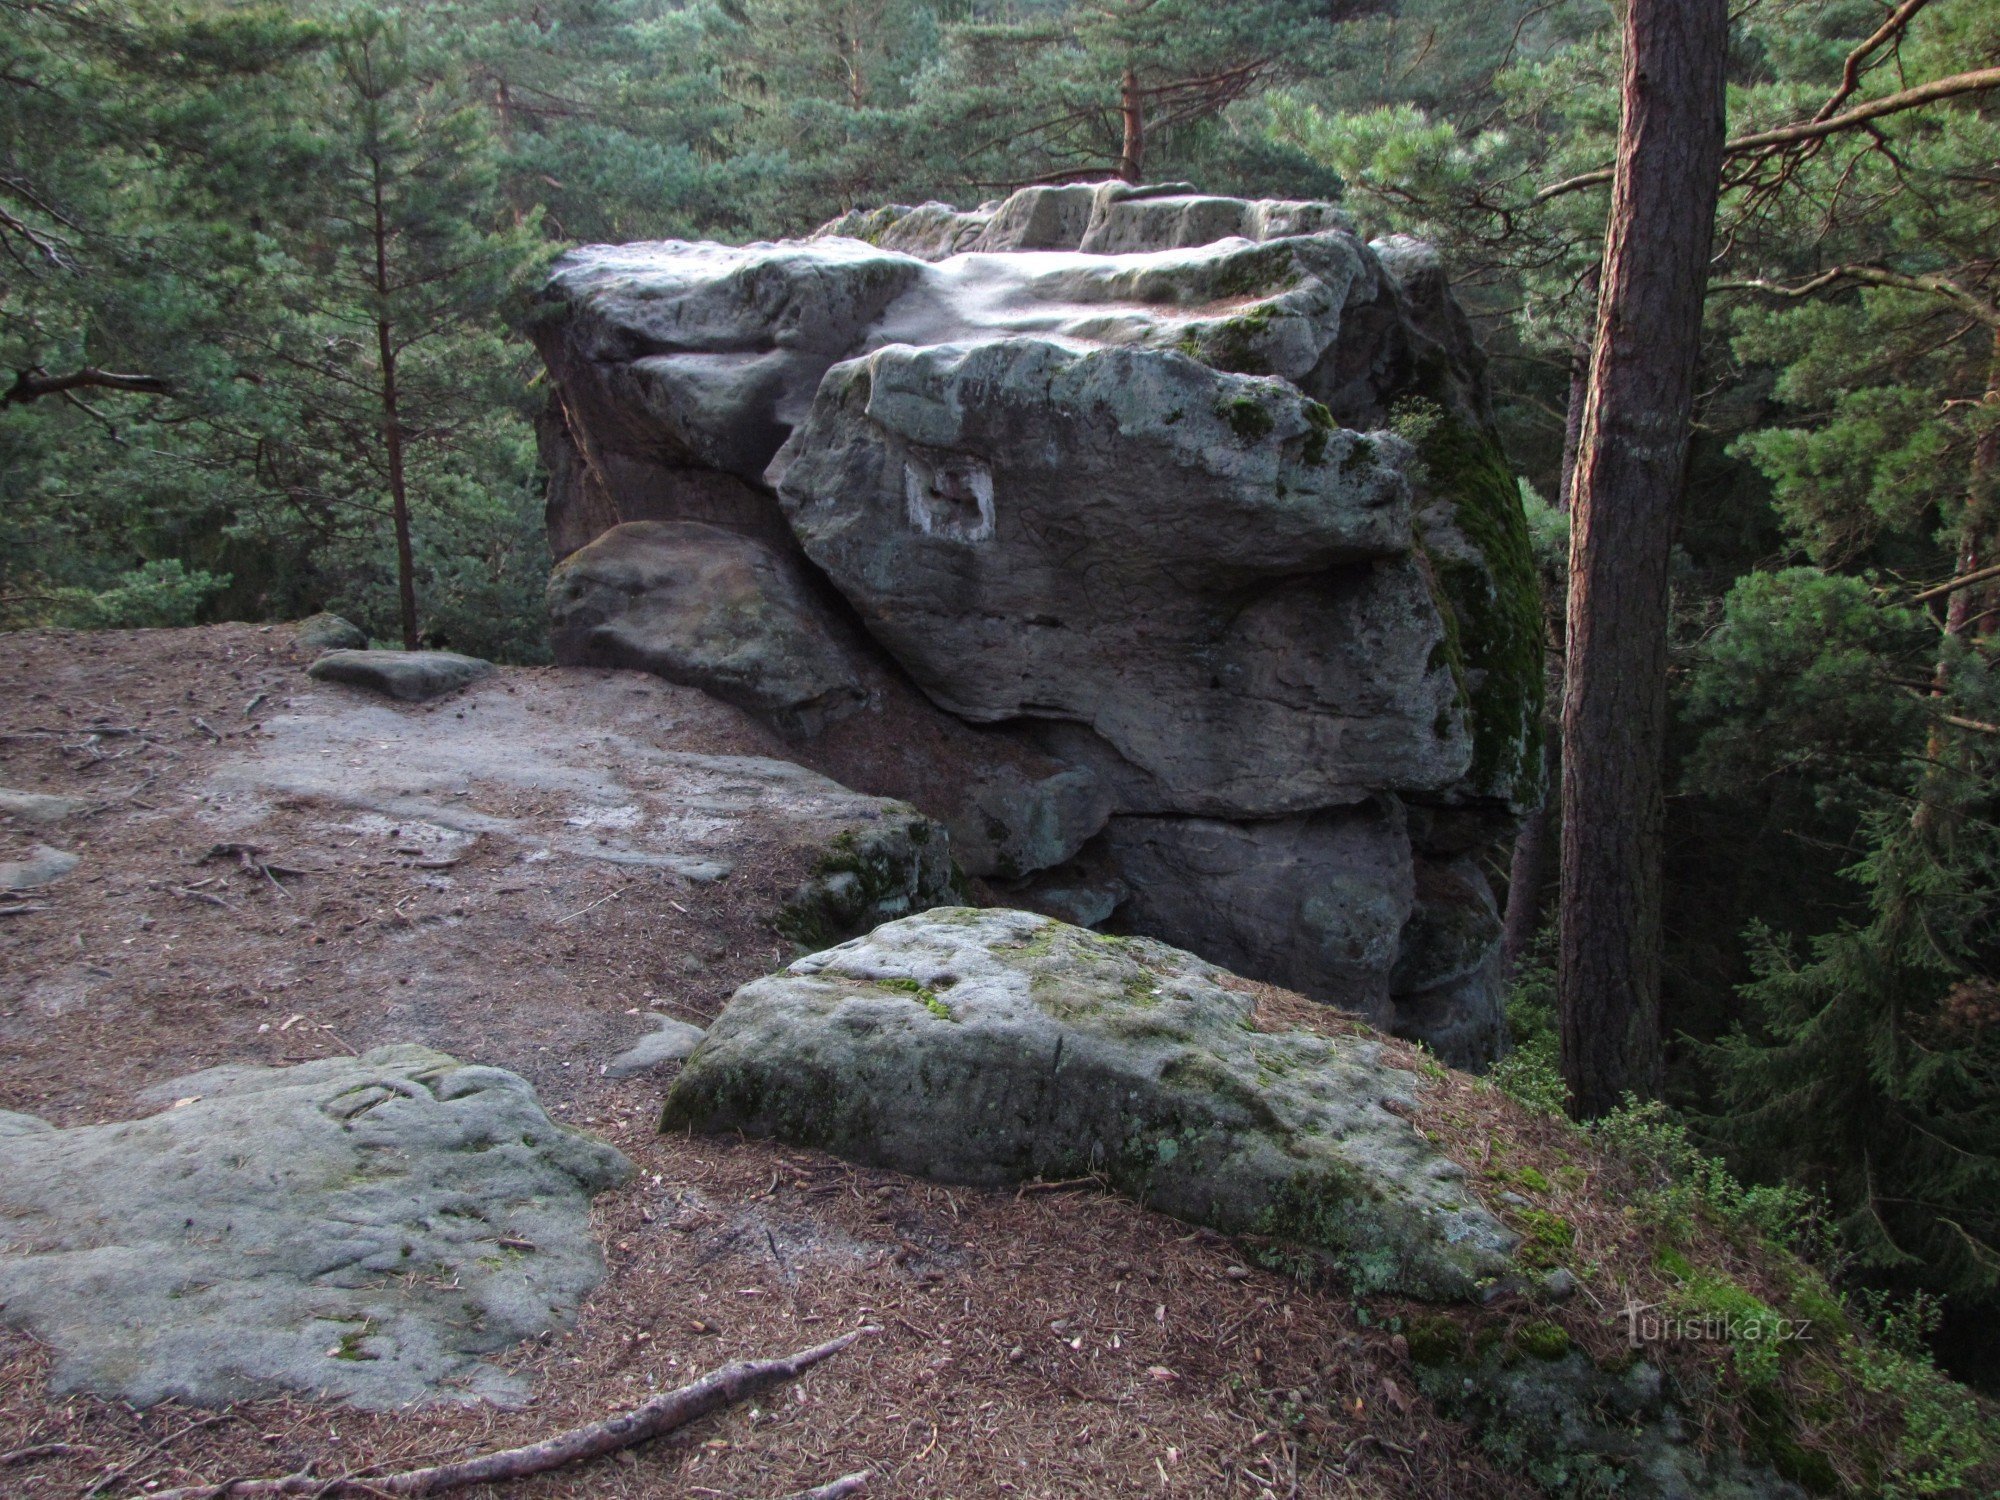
{"x": 518, "y": 876}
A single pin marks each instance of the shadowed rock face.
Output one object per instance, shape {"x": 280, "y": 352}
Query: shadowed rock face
{"x": 1196, "y": 496}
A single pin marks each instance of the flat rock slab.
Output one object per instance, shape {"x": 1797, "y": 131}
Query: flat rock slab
{"x": 993, "y": 1046}
{"x": 573, "y": 766}
{"x": 363, "y": 1229}
{"x": 409, "y": 675}
{"x": 43, "y": 866}
{"x": 36, "y": 807}
{"x": 669, "y": 1041}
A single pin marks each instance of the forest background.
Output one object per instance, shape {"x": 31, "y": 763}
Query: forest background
{"x": 265, "y": 271}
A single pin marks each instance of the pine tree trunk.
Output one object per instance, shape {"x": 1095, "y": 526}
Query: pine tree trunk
{"x": 1132, "y": 106}
{"x": 1971, "y": 609}
{"x": 399, "y": 495}
{"x": 1967, "y": 611}
{"x": 1631, "y": 469}
{"x": 392, "y": 424}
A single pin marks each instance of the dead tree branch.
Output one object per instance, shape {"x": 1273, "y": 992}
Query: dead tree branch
{"x": 725, "y": 1387}
{"x": 34, "y": 383}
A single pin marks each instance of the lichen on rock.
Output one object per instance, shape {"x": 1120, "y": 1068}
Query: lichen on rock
{"x": 364, "y": 1228}
{"x": 992, "y": 1046}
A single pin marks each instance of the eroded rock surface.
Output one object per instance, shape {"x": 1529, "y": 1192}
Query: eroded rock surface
{"x": 709, "y": 608}
{"x": 1196, "y": 497}
{"x": 411, "y": 676}
{"x": 990, "y": 1046}
{"x": 362, "y": 1228}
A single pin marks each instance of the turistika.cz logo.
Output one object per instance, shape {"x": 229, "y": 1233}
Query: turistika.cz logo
{"x": 1646, "y": 1323}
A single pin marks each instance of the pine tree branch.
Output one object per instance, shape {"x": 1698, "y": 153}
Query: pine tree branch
{"x": 1953, "y": 585}
{"x": 1811, "y": 130}
{"x": 733, "y": 1382}
{"x": 34, "y": 383}
{"x": 1970, "y": 302}
{"x": 1891, "y": 29}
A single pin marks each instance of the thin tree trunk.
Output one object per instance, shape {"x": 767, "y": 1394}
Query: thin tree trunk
{"x": 392, "y": 424}
{"x": 1534, "y": 862}
{"x": 1969, "y": 610}
{"x": 1132, "y": 106}
{"x": 1630, "y": 473}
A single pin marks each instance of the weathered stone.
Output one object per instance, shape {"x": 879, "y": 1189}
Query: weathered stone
{"x": 326, "y": 632}
{"x": 1110, "y": 470}
{"x": 584, "y": 771}
{"x": 708, "y": 608}
{"x": 698, "y": 355}
{"x": 889, "y": 867}
{"x": 1446, "y": 988}
{"x": 1315, "y": 903}
{"x": 1603, "y": 1428}
{"x": 989, "y": 1046}
{"x": 1169, "y": 216}
{"x": 1084, "y": 892}
{"x": 360, "y": 1228}
{"x": 668, "y": 1041}
{"x": 1010, "y": 826}
{"x": 1102, "y": 218}
{"x": 1193, "y": 564}
{"x": 43, "y": 866}
{"x": 411, "y": 676}
{"x": 37, "y": 807}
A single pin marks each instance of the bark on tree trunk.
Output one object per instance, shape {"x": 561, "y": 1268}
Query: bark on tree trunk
{"x": 399, "y": 497}
{"x": 1631, "y": 469}
{"x": 1971, "y": 609}
{"x": 392, "y": 424}
{"x": 1132, "y": 106}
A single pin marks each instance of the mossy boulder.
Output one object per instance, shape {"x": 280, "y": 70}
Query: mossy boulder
{"x": 994, "y": 1046}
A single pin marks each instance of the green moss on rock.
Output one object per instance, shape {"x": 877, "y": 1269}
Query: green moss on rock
{"x": 1247, "y": 417}
{"x": 1493, "y": 603}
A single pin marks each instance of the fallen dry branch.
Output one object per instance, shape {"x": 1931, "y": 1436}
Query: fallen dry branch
{"x": 733, "y": 1382}
{"x": 40, "y": 1450}
{"x": 839, "y": 1489}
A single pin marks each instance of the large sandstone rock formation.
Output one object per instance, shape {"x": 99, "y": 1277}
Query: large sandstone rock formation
{"x": 1193, "y": 500}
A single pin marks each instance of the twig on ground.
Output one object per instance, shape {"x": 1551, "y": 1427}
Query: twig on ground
{"x": 607, "y": 896}
{"x": 41, "y": 1450}
{"x": 725, "y": 1387}
{"x": 195, "y": 895}
{"x": 847, "y": 1484}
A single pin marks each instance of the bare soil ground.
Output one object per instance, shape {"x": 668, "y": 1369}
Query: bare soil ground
{"x": 1052, "y": 1341}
